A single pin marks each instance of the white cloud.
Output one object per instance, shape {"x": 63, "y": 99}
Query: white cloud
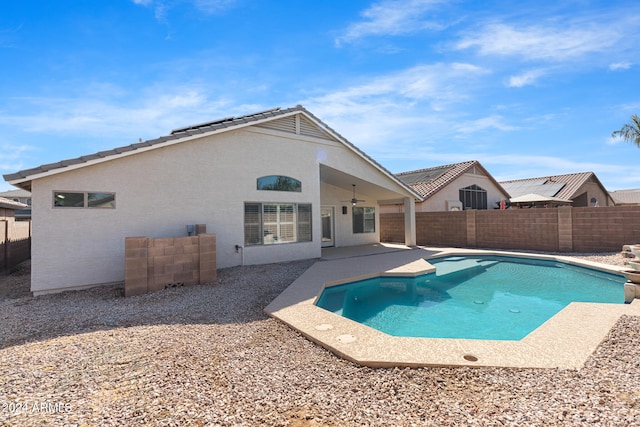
{"x": 620, "y": 66}
{"x": 508, "y": 166}
{"x": 151, "y": 115}
{"x": 392, "y": 17}
{"x": 208, "y": 7}
{"x": 438, "y": 84}
{"x": 614, "y": 140}
{"x": 526, "y": 78}
{"x": 8, "y": 37}
{"x": 213, "y": 6}
{"x": 540, "y": 42}
{"x": 413, "y": 106}
{"x": 11, "y": 158}
{"x": 12, "y": 151}
{"x": 489, "y": 122}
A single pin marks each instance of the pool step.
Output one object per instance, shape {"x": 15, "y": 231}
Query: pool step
{"x": 460, "y": 264}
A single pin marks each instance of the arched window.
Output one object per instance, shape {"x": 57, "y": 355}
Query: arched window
{"x": 279, "y": 183}
{"x": 473, "y": 197}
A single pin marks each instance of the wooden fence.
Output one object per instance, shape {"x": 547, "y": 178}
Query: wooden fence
{"x": 15, "y": 243}
{"x": 565, "y": 229}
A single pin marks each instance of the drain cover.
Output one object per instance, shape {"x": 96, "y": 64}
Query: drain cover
{"x": 346, "y": 338}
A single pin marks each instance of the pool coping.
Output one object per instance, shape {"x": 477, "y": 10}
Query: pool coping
{"x": 565, "y": 341}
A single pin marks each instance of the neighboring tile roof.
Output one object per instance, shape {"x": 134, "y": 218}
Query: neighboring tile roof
{"x": 561, "y": 186}
{"x": 626, "y": 197}
{"x": 15, "y": 193}
{"x": 429, "y": 181}
{"x": 10, "y": 204}
{"x": 176, "y": 134}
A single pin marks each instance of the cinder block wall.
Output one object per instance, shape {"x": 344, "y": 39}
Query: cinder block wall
{"x": 392, "y": 227}
{"x": 155, "y": 264}
{"x": 531, "y": 229}
{"x": 565, "y": 229}
{"x": 605, "y": 229}
{"x": 441, "y": 230}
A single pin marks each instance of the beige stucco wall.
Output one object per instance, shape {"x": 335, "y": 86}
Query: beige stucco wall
{"x": 451, "y": 192}
{"x": 202, "y": 181}
{"x": 438, "y": 202}
{"x": 344, "y": 236}
{"x": 592, "y": 190}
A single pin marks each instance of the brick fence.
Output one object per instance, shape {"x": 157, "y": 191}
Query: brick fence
{"x": 563, "y": 229}
{"x": 155, "y": 264}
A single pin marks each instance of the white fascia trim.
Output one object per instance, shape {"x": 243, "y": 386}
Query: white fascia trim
{"x": 411, "y": 191}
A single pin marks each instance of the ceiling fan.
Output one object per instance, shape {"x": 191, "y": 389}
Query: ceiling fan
{"x": 353, "y": 200}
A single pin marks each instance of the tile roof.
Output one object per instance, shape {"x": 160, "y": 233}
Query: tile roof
{"x": 429, "y": 181}
{"x": 174, "y": 135}
{"x": 15, "y": 193}
{"x": 22, "y": 177}
{"x": 561, "y": 186}
{"x": 10, "y": 204}
{"x": 626, "y": 197}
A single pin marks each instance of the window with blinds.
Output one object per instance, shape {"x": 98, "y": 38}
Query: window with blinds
{"x": 274, "y": 223}
{"x": 252, "y": 223}
{"x": 364, "y": 220}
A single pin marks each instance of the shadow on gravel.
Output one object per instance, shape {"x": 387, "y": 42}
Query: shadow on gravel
{"x": 238, "y": 296}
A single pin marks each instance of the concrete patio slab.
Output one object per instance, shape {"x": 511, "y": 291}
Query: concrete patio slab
{"x": 565, "y": 341}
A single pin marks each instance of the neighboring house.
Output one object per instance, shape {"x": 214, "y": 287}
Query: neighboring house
{"x": 577, "y": 189}
{"x": 20, "y": 196}
{"x": 459, "y": 186}
{"x": 8, "y": 208}
{"x": 626, "y": 197}
{"x": 273, "y": 186}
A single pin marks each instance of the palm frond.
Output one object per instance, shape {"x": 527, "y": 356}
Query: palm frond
{"x": 630, "y": 131}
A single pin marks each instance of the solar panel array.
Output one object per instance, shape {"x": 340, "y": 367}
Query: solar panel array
{"x": 534, "y": 186}
{"x": 424, "y": 175}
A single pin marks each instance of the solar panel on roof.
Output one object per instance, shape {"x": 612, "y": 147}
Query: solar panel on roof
{"x": 521, "y": 188}
{"x": 218, "y": 121}
{"x": 422, "y": 175}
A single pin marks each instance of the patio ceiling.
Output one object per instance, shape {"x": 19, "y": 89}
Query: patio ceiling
{"x": 382, "y": 195}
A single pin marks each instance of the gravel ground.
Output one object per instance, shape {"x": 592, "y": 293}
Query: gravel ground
{"x": 207, "y": 355}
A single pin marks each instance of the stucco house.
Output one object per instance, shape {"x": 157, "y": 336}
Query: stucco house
{"x": 579, "y": 190}
{"x": 8, "y": 208}
{"x": 20, "y": 196}
{"x": 630, "y": 197}
{"x": 458, "y": 186}
{"x": 273, "y": 186}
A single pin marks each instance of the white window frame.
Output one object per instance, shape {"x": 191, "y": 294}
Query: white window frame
{"x": 277, "y": 223}
{"x": 86, "y": 199}
{"x": 364, "y": 222}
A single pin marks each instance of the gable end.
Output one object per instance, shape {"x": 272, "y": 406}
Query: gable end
{"x": 298, "y": 125}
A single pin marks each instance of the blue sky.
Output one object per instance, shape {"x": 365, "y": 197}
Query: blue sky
{"x": 528, "y": 88}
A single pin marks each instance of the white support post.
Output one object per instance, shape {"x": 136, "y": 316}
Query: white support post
{"x": 409, "y": 221}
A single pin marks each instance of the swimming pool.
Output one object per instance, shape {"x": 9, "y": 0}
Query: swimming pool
{"x": 472, "y": 297}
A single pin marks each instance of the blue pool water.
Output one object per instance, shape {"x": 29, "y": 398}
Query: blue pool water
{"x": 483, "y": 297}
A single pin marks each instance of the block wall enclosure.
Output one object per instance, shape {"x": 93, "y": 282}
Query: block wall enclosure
{"x": 564, "y": 229}
{"x": 155, "y": 264}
